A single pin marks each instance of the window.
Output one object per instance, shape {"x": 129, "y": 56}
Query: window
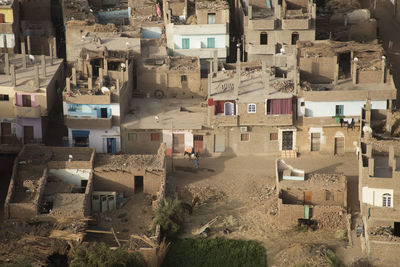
{"x": 185, "y": 43}
{"x": 251, "y": 108}
{"x": 328, "y": 195}
{"x": 339, "y": 110}
{"x": 26, "y": 101}
{"x": 132, "y": 137}
{"x": 183, "y": 78}
{"x": 211, "y": 18}
{"x": 295, "y": 37}
{"x": 279, "y": 106}
{"x": 4, "y": 97}
{"x": 244, "y": 137}
{"x": 273, "y": 136}
{"x": 229, "y": 108}
{"x": 264, "y": 38}
{"x": 387, "y": 200}
{"x": 210, "y": 42}
{"x": 155, "y": 137}
{"x": 302, "y": 104}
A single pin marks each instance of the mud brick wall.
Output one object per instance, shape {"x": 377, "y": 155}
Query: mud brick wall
{"x": 288, "y": 214}
{"x": 369, "y": 76}
{"x": 69, "y": 165}
{"x": 152, "y": 181}
{"x": 22, "y": 210}
{"x": 319, "y": 68}
{"x": 115, "y": 181}
{"x": 384, "y": 253}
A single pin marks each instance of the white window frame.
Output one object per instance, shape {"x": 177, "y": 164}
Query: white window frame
{"x": 250, "y": 110}
{"x": 387, "y": 200}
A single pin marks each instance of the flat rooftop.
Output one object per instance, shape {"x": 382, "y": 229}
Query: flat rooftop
{"x": 260, "y": 10}
{"x": 212, "y": 5}
{"x": 126, "y": 162}
{"x": 317, "y": 180}
{"x": 180, "y": 63}
{"x": 347, "y": 85}
{"x": 251, "y": 88}
{"x": 25, "y": 76}
{"x": 172, "y": 113}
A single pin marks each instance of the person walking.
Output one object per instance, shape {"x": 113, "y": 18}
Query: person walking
{"x": 196, "y": 162}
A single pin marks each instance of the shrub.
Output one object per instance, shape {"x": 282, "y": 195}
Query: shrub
{"x": 20, "y": 261}
{"x": 215, "y": 252}
{"x": 169, "y": 215}
{"x": 101, "y": 255}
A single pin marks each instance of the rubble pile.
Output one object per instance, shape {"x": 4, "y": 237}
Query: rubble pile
{"x": 384, "y": 232}
{"x": 201, "y": 195}
{"x": 325, "y": 180}
{"x": 263, "y": 194}
{"x": 342, "y": 5}
{"x": 331, "y": 220}
{"x": 284, "y": 86}
{"x": 303, "y": 255}
{"x": 215, "y": 5}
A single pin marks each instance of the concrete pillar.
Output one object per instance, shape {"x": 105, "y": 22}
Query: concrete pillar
{"x": 90, "y": 83}
{"x": 37, "y": 80}
{"x": 68, "y": 84}
{"x": 236, "y": 82}
{"x": 51, "y": 52}
{"x": 28, "y": 43}
{"x": 105, "y": 63}
{"x": 215, "y": 61}
{"x": 238, "y": 55}
{"x": 185, "y": 9}
{"x": 43, "y": 60}
{"x": 13, "y": 75}
{"x": 122, "y": 76}
{"x": 74, "y": 83}
{"x": 80, "y": 64}
{"x": 5, "y": 44}
{"x": 118, "y": 85}
{"x": 369, "y": 150}
{"x": 6, "y": 64}
{"x": 355, "y": 72}
{"x": 55, "y": 47}
{"x": 209, "y": 80}
{"x": 101, "y": 77}
{"x": 371, "y": 167}
{"x": 250, "y": 11}
{"x": 383, "y": 70}
{"x": 391, "y": 156}
{"x": 389, "y": 121}
{"x": 23, "y": 55}
{"x": 336, "y": 71}
{"x": 368, "y": 111}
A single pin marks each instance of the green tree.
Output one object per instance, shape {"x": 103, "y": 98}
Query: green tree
{"x": 97, "y": 255}
{"x": 169, "y": 215}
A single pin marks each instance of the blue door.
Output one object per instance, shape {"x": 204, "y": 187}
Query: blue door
{"x": 111, "y": 145}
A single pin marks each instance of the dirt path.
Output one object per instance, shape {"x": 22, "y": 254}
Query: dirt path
{"x": 241, "y": 191}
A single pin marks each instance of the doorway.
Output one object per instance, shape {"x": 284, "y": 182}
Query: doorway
{"x": 287, "y": 140}
{"x": 103, "y": 112}
{"x": 219, "y": 143}
{"x": 6, "y": 133}
{"x": 111, "y": 146}
{"x": 295, "y": 38}
{"x": 307, "y": 197}
{"x": 179, "y": 143}
{"x": 344, "y": 65}
{"x": 138, "y": 184}
{"x": 26, "y": 101}
{"x": 339, "y": 145}
{"x": 28, "y": 134}
{"x": 198, "y": 143}
{"x": 315, "y": 141}
{"x": 263, "y": 38}
{"x": 396, "y": 229}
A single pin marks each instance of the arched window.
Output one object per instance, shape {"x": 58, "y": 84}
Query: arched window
{"x": 229, "y": 108}
{"x": 387, "y": 200}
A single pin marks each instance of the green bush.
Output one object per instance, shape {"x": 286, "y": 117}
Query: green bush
{"x": 215, "y": 252}
{"x": 169, "y": 215}
{"x": 101, "y": 255}
{"x": 20, "y": 261}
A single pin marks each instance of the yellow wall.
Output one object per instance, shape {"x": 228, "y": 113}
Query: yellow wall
{"x": 8, "y": 12}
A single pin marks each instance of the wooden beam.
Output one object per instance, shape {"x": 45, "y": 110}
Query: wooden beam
{"x": 115, "y": 236}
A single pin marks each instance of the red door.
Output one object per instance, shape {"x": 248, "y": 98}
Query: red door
{"x": 198, "y": 143}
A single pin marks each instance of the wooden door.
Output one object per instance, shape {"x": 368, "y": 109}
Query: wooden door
{"x": 5, "y": 133}
{"x": 28, "y": 134}
{"x": 26, "y": 101}
{"x": 307, "y": 198}
{"x": 339, "y": 145}
{"x": 287, "y": 140}
{"x": 198, "y": 143}
{"x": 179, "y": 143}
{"x": 315, "y": 141}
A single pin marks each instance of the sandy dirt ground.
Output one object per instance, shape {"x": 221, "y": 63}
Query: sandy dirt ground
{"x": 240, "y": 190}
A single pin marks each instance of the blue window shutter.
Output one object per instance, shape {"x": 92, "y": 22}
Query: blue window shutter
{"x": 98, "y": 112}
{"x": 210, "y": 42}
{"x": 108, "y": 112}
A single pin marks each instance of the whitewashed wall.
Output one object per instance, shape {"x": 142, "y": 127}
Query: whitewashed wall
{"x": 374, "y": 196}
{"x": 73, "y": 176}
{"x": 200, "y": 41}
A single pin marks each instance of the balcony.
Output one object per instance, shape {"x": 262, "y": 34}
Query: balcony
{"x": 87, "y": 99}
{"x": 261, "y": 49}
{"x": 27, "y": 112}
{"x": 262, "y": 24}
{"x": 201, "y": 52}
{"x": 296, "y": 24}
{"x": 327, "y": 121}
{"x": 87, "y": 123}
{"x": 6, "y": 28}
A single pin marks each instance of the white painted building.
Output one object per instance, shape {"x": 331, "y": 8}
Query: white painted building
{"x": 377, "y": 197}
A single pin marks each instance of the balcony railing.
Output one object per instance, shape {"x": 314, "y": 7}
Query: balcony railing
{"x": 87, "y": 99}
{"x": 296, "y": 24}
{"x": 261, "y": 49}
{"x": 27, "y": 112}
{"x": 87, "y": 123}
